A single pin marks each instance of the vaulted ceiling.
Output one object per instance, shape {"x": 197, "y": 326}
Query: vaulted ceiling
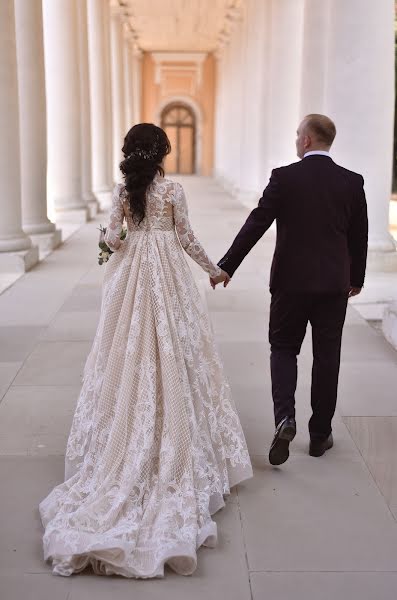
{"x": 180, "y": 25}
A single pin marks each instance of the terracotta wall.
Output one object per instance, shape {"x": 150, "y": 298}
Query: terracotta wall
{"x": 179, "y": 80}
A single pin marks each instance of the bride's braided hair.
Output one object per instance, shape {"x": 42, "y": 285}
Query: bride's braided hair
{"x": 145, "y": 146}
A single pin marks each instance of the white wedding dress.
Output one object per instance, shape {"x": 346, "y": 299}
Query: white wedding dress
{"x": 155, "y": 442}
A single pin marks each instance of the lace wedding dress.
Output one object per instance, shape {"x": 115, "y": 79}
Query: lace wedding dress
{"x": 155, "y": 442}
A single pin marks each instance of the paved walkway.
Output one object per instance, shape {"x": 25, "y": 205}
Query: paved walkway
{"x": 315, "y": 528}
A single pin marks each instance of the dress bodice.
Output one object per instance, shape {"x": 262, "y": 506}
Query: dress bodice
{"x": 159, "y": 209}
{"x": 166, "y": 210}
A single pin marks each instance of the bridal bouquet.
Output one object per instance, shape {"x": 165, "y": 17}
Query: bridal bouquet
{"x": 105, "y": 251}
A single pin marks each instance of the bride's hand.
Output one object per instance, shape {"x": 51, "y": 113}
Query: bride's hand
{"x": 223, "y": 277}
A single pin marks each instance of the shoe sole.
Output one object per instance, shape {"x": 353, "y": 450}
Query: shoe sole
{"x": 318, "y": 453}
{"x": 279, "y": 454}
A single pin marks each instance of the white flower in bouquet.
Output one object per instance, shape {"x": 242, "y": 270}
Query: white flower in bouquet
{"x": 105, "y": 251}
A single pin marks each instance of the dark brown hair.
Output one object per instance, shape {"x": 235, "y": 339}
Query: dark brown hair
{"x": 145, "y": 146}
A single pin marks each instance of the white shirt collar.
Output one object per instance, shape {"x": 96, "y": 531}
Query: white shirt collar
{"x": 318, "y": 152}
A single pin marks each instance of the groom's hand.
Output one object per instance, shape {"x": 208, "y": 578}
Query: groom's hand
{"x": 223, "y": 277}
{"x": 354, "y": 291}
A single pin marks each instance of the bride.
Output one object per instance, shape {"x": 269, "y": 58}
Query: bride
{"x": 156, "y": 442}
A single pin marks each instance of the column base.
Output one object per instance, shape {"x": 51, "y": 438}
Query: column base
{"x": 93, "y": 208}
{"x": 19, "y": 262}
{"x": 77, "y": 215}
{"x": 47, "y": 241}
{"x": 105, "y": 200}
{"x": 92, "y": 204}
{"x": 225, "y": 183}
{"x": 38, "y": 228}
{"x": 248, "y": 198}
{"x": 384, "y": 262}
{"x": 389, "y": 324}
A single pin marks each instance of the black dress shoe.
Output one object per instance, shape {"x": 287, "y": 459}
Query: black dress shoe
{"x": 318, "y": 448}
{"x": 285, "y": 433}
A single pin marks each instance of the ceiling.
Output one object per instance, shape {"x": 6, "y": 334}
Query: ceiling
{"x": 180, "y": 25}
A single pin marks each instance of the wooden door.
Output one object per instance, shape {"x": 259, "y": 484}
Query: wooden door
{"x": 179, "y": 124}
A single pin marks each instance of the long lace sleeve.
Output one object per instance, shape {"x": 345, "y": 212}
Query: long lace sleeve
{"x": 188, "y": 240}
{"x": 113, "y": 230}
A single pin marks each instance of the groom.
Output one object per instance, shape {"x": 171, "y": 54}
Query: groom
{"x": 319, "y": 262}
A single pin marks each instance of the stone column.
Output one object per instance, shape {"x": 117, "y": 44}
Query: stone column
{"x": 63, "y": 109}
{"x": 117, "y": 87}
{"x": 220, "y": 102}
{"x": 100, "y": 131}
{"x": 360, "y": 98}
{"x": 314, "y": 58}
{"x": 108, "y": 97}
{"x": 16, "y": 251}
{"x": 255, "y": 102}
{"x": 232, "y": 102}
{"x": 32, "y": 122}
{"x": 227, "y": 107}
{"x": 128, "y": 80}
{"x": 285, "y": 78}
{"x": 85, "y": 115}
{"x": 137, "y": 84}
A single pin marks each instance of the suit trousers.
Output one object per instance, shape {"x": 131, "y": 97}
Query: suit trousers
{"x": 290, "y": 313}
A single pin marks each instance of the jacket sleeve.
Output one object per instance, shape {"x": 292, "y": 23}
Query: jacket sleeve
{"x": 358, "y": 239}
{"x": 258, "y": 222}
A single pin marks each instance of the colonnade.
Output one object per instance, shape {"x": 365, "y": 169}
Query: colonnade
{"x": 283, "y": 59}
{"x": 69, "y": 72}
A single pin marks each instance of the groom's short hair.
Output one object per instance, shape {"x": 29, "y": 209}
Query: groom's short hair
{"x": 322, "y": 127}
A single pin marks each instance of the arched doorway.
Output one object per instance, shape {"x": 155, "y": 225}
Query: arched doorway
{"x": 179, "y": 123}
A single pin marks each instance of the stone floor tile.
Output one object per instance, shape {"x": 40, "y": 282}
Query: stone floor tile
{"x": 327, "y": 586}
{"x": 16, "y": 342}
{"x": 95, "y": 275}
{"x": 25, "y": 482}
{"x": 246, "y": 361}
{"x": 353, "y": 317}
{"x": 36, "y": 419}
{"x": 317, "y": 514}
{"x": 376, "y": 439}
{"x": 237, "y": 301}
{"x": 363, "y": 343}
{"x": 54, "y": 363}
{"x": 38, "y": 311}
{"x": 84, "y": 298}
{"x": 235, "y": 327}
{"x": 8, "y": 371}
{"x": 368, "y": 389}
{"x": 72, "y": 326}
{"x": 41, "y": 586}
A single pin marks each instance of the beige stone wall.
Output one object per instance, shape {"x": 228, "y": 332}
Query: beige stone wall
{"x": 166, "y": 81}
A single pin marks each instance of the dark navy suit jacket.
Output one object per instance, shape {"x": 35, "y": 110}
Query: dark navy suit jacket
{"x": 322, "y": 228}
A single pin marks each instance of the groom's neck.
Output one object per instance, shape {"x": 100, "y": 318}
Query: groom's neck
{"x": 318, "y": 148}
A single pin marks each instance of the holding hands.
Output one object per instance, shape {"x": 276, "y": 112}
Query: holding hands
{"x": 223, "y": 277}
